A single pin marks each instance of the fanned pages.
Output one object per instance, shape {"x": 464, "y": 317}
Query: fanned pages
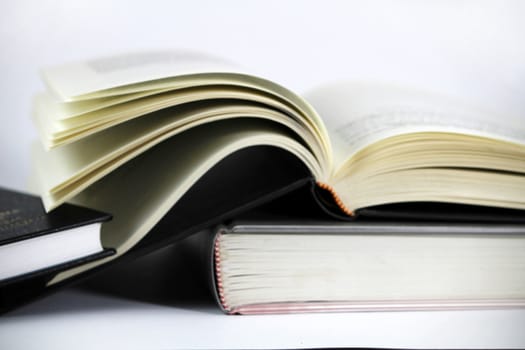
{"x": 160, "y": 120}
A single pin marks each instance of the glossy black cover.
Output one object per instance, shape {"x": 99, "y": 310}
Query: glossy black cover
{"x": 22, "y": 217}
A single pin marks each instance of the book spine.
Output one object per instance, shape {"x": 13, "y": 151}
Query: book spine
{"x": 337, "y": 200}
{"x": 219, "y": 287}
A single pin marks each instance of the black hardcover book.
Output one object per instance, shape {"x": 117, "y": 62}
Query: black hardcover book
{"x": 34, "y": 243}
{"x": 276, "y": 261}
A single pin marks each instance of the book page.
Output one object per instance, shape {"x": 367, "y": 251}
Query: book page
{"x": 357, "y": 115}
{"x": 122, "y": 81}
{"x": 67, "y": 170}
{"x": 60, "y": 110}
{"x": 98, "y": 120}
{"x": 141, "y": 192}
{"x": 111, "y": 72}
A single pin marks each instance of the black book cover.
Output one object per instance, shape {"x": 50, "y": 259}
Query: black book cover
{"x": 22, "y": 216}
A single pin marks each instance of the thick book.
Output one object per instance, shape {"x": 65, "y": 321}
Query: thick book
{"x": 173, "y": 142}
{"x": 34, "y": 243}
{"x": 286, "y": 265}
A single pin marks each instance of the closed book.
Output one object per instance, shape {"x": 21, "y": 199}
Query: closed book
{"x": 35, "y": 244}
{"x": 282, "y": 265}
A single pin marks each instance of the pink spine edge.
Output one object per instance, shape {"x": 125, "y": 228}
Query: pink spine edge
{"x": 218, "y": 275}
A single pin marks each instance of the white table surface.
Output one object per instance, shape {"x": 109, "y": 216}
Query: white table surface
{"x": 74, "y": 319}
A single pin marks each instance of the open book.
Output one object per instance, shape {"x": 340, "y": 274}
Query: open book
{"x": 132, "y": 135}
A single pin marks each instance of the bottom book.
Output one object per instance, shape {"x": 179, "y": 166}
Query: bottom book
{"x": 266, "y": 266}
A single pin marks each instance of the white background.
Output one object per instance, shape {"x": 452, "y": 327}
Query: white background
{"x": 474, "y": 49}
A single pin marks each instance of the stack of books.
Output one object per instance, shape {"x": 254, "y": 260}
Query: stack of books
{"x": 354, "y": 197}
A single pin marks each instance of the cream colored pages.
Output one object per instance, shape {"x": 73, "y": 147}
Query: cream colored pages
{"x": 400, "y": 145}
{"x": 370, "y": 269}
{"x": 108, "y": 91}
{"x": 60, "y": 110}
{"x": 358, "y": 114}
{"x": 140, "y": 193}
{"x": 101, "y": 74}
{"x": 57, "y": 132}
{"x": 137, "y": 73}
{"x": 67, "y": 170}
